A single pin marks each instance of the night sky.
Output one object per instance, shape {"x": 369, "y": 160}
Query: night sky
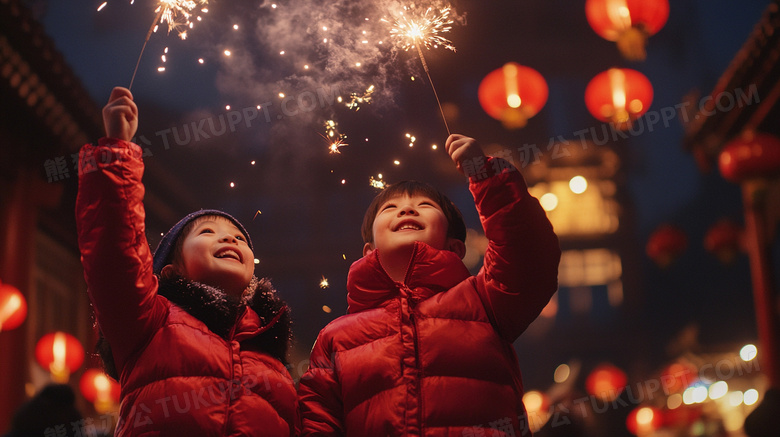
{"x": 308, "y": 225}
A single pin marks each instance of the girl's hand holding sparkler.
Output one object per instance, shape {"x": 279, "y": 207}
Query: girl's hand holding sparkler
{"x": 120, "y": 115}
{"x": 463, "y": 149}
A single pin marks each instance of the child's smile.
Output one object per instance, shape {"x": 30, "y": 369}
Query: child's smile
{"x": 403, "y": 220}
{"x": 228, "y": 253}
{"x": 215, "y": 252}
{"x": 409, "y": 225}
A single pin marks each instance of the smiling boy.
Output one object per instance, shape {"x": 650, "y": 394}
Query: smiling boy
{"x": 426, "y": 348}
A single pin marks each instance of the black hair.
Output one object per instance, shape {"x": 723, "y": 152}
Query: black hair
{"x": 456, "y": 226}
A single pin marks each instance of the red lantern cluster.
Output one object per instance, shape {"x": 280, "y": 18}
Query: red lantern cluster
{"x": 606, "y": 382}
{"x": 628, "y": 22}
{"x": 513, "y": 94}
{"x": 665, "y": 244}
{"x": 13, "y": 307}
{"x": 723, "y": 240}
{"x": 59, "y": 353}
{"x": 619, "y": 96}
{"x": 752, "y": 155}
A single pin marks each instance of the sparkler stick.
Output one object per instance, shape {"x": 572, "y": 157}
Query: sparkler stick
{"x": 146, "y": 40}
{"x": 435, "y": 94}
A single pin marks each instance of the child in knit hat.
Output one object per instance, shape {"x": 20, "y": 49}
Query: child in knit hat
{"x": 196, "y": 341}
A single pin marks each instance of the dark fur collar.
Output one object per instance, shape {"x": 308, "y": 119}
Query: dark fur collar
{"x": 220, "y": 313}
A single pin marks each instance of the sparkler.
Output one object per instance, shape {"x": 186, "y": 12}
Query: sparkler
{"x": 424, "y": 30}
{"x": 177, "y": 14}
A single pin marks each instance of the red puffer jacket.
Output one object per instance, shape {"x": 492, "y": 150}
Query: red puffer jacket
{"x": 433, "y": 356}
{"x": 177, "y": 376}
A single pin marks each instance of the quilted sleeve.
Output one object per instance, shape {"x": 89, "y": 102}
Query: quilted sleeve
{"x": 520, "y": 269}
{"x": 115, "y": 255}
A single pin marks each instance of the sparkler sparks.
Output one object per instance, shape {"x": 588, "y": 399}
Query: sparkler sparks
{"x": 324, "y": 282}
{"x": 334, "y": 146}
{"x": 333, "y": 137}
{"x": 425, "y": 29}
{"x": 378, "y": 182}
{"x": 412, "y": 139}
{"x": 177, "y": 14}
{"x": 357, "y": 100}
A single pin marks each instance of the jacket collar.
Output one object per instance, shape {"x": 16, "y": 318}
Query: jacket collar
{"x": 266, "y": 328}
{"x": 266, "y": 324}
{"x": 430, "y": 271}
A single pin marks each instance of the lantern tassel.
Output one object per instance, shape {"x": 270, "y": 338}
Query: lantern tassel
{"x": 631, "y": 44}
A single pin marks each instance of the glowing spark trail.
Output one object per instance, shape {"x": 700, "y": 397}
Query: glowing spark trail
{"x": 425, "y": 31}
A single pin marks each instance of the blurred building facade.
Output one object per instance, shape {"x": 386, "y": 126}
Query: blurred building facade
{"x": 46, "y": 116}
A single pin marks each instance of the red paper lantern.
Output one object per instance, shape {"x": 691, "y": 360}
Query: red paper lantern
{"x": 99, "y": 389}
{"x": 13, "y": 307}
{"x": 752, "y": 155}
{"x": 644, "y": 420}
{"x": 665, "y": 244}
{"x": 619, "y": 95}
{"x": 628, "y": 22}
{"x": 723, "y": 240}
{"x": 513, "y": 94}
{"x": 60, "y": 353}
{"x": 606, "y": 382}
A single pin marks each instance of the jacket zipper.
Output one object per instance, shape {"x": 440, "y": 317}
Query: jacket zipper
{"x": 418, "y": 365}
{"x": 411, "y": 304}
{"x": 229, "y": 394}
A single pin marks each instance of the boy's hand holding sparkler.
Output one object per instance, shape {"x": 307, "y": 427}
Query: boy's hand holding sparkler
{"x": 462, "y": 148}
{"x": 120, "y": 115}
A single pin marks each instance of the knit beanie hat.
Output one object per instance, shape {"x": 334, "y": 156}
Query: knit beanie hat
{"x": 164, "y": 253}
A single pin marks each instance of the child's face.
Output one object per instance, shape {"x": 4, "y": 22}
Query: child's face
{"x": 405, "y": 219}
{"x": 215, "y": 252}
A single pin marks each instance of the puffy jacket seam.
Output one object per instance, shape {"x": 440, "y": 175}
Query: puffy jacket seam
{"x": 455, "y": 318}
{"x": 134, "y": 356}
{"x": 365, "y": 344}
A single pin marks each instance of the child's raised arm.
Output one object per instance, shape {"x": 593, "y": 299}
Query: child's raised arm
{"x": 110, "y": 219}
{"x": 120, "y": 115}
{"x": 520, "y": 268}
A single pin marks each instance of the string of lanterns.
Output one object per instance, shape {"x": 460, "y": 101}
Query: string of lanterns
{"x": 514, "y": 93}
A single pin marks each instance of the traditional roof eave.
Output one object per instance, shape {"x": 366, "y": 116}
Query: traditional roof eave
{"x": 37, "y": 73}
{"x": 744, "y": 98}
